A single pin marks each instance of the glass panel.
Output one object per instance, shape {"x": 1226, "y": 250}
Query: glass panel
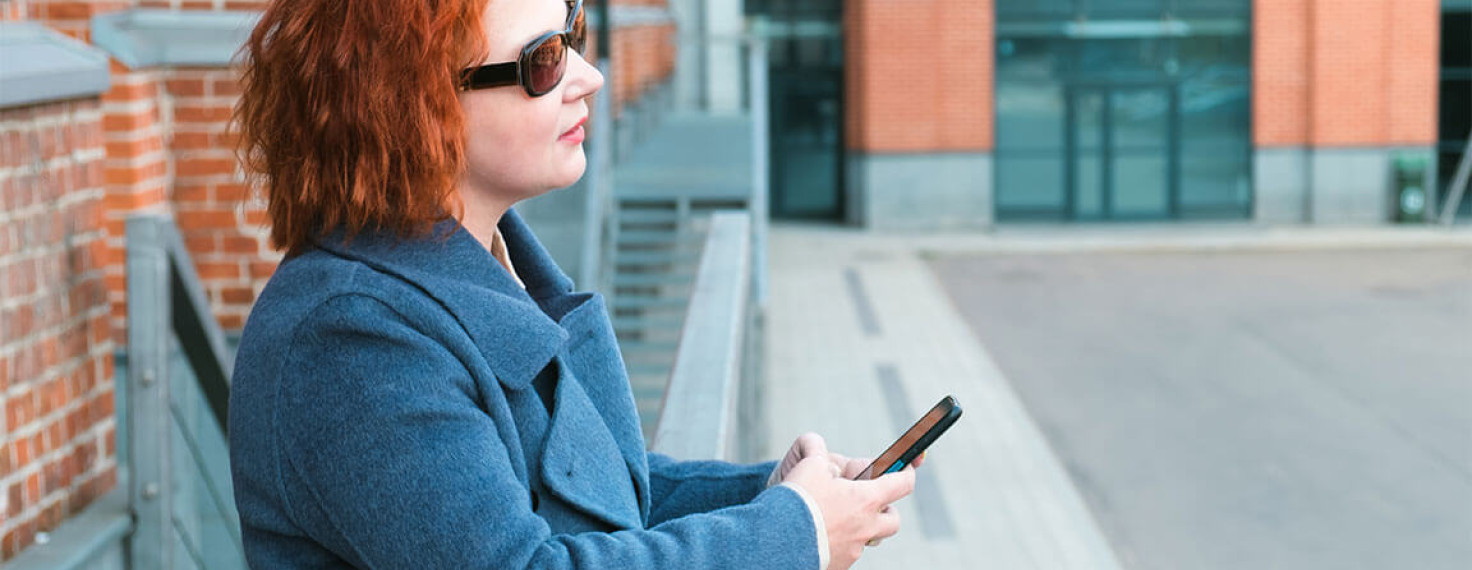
{"x": 1183, "y": 99}
{"x": 1121, "y": 61}
{"x": 1140, "y": 118}
{"x": 1237, "y": 9}
{"x": 1140, "y": 188}
{"x": 1124, "y": 9}
{"x": 1029, "y": 117}
{"x": 1456, "y": 109}
{"x": 1088, "y": 166}
{"x": 1030, "y": 183}
{"x": 1456, "y": 42}
{"x": 806, "y": 148}
{"x": 1088, "y": 116}
{"x": 1215, "y": 150}
{"x": 1088, "y": 180}
{"x": 1021, "y": 10}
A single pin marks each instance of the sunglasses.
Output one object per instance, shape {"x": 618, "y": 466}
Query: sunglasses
{"x": 542, "y": 63}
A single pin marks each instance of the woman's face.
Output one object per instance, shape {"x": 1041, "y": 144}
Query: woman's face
{"x": 518, "y": 146}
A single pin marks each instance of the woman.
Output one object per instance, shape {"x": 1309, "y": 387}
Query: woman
{"x": 418, "y": 386}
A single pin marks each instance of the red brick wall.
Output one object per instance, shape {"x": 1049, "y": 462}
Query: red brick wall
{"x": 57, "y": 450}
{"x": 643, "y": 56}
{"x": 919, "y": 75}
{"x": 56, "y": 369}
{"x": 1345, "y": 72}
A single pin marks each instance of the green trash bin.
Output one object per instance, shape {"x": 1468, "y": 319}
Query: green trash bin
{"x": 1409, "y": 188}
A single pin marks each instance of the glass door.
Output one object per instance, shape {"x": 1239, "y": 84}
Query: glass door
{"x": 1120, "y": 146}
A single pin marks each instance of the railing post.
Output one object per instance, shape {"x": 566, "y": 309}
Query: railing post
{"x": 597, "y": 217}
{"x": 756, "y": 61}
{"x": 149, "y": 313}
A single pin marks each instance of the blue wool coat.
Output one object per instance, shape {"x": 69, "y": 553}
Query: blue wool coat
{"x": 385, "y": 413}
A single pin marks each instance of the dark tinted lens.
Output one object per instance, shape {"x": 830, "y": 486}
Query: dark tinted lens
{"x": 545, "y": 65}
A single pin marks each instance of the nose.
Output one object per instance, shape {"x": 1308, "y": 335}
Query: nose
{"x": 583, "y": 80}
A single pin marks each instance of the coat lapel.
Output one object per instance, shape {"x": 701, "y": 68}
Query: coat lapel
{"x": 594, "y": 434}
{"x": 458, "y": 272}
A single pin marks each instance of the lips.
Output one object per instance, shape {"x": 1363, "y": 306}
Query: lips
{"x": 575, "y": 134}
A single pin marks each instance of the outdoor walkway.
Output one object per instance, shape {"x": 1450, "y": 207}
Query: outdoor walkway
{"x": 861, "y": 341}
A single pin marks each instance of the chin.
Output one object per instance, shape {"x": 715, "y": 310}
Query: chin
{"x": 573, "y": 172}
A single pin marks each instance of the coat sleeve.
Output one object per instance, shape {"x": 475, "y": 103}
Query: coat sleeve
{"x": 679, "y": 488}
{"x": 388, "y": 462}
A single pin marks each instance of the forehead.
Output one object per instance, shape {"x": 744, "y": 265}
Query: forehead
{"x": 510, "y": 24}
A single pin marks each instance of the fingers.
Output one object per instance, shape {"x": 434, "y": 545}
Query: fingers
{"x": 810, "y": 443}
{"x": 892, "y": 487}
{"x": 888, "y": 523}
{"x": 814, "y": 469}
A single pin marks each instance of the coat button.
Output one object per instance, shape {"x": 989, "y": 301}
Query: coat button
{"x": 536, "y": 501}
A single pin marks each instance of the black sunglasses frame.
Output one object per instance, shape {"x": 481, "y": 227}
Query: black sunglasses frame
{"x": 519, "y": 72}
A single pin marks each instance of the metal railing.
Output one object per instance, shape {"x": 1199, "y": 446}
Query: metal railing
{"x": 1458, "y": 186}
{"x": 177, "y": 475}
{"x": 711, "y": 403}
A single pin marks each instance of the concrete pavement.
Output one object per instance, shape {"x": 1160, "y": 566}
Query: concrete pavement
{"x": 862, "y": 338}
{"x": 861, "y": 341}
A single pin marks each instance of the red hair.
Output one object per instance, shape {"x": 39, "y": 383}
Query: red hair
{"x": 349, "y": 116}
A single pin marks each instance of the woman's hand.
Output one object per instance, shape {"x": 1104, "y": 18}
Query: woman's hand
{"x": 855, "y": 513}
{"x": 805, "y": 446}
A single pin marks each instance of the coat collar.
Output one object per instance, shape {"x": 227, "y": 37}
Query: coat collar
{"x": 451, "y": 266}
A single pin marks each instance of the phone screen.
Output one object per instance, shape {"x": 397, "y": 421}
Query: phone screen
{"x": 915, "y": 440}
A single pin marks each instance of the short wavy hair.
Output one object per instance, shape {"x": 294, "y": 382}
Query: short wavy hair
{"x": 348, "y": 116}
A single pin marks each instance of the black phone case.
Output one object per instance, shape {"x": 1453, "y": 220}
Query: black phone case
{"x": 924, "y": 442}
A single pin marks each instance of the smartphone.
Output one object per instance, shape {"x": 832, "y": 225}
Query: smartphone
{"x": 913, "y": 443}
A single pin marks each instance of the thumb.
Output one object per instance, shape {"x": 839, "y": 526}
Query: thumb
{"x": 892, "y": 487}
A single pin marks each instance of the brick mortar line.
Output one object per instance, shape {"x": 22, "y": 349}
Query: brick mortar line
{"x": 13, "y": 391}
{"x": 74, "y": 240}
{"x": 50, "y": 249}
{"x": 94, "y": 312}
{"x": 208, "y": 100}
{"x": 31, "y": 429}
{"x": 97, "y": 390}
{"x": 132, "y": 135}
{"x": 32, "y": 170}
{"x": 67, "y": 118}
{"x": 157, "y": 155}
{"x": 29, "y": 514}
{"x": 130, "y": 107}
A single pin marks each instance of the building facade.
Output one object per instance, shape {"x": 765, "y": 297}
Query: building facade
{"x": 952, "y": 114}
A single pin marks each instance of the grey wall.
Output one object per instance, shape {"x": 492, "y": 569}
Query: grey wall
{"x": 1326, "y": 185}
{"x": 930, "y": 191}
{"x": 1279, "y": 179}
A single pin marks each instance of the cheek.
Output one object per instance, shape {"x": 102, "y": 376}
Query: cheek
{"x": 508, "y": 139}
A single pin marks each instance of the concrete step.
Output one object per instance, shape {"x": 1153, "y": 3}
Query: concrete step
{"x": 622, "y": 279}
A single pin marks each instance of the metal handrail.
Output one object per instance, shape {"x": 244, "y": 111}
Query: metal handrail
{"x": 167, "y": 302}
{"x": 700, "y": 418}
{"x": 1458, "y": 185}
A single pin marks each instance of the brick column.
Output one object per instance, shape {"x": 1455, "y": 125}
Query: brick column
{"x": 920, "y": 117}
{"x": 56, "y": 389}
{"x": 1339, "y": 87}
{"x": 57, "y": 450}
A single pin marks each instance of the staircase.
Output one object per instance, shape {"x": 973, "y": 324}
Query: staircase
{"x": 654, "y": 251}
